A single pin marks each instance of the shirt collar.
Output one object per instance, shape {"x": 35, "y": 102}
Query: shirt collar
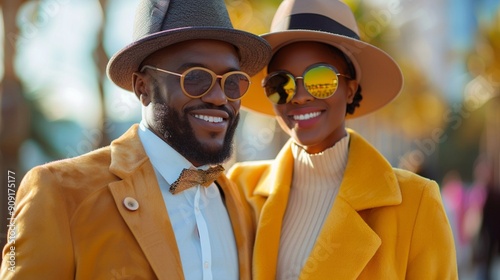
{"x": 167, "y": 161}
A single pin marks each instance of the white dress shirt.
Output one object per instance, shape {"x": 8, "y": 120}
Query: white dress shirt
{"x": 198, "y": 216}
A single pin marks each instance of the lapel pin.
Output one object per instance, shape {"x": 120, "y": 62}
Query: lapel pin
{"x": 131, "y": 204}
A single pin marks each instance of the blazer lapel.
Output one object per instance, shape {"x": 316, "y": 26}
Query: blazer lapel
{"x": 239, "y": 213}
{"x": 275, "y": 184}
{"x": 150, "y": 223}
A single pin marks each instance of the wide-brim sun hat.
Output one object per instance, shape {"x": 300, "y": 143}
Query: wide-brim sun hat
{"x": 162, "y": 23}
{"x": 331, "y": 22}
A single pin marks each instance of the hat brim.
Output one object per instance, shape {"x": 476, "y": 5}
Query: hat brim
{"x": 378, "y": 74}
{"x": 254, "y": 51}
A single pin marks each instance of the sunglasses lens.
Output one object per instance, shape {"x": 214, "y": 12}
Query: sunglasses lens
{"x": 197, "y": 82}
{"x": 279, "y": 87}
{"x": 236, "y": 85}
{"x": 321, "y": 81}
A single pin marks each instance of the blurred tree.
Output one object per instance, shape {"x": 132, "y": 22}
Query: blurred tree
{"x": 102, "y": 60}
{"x": 14, "y": 113}
{"x": 253, "y": 16}
{"x": 22, "y": 119}
{"x": 474, "y": 128}
{"x": 483, "y": 92}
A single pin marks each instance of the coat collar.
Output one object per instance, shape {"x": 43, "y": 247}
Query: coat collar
{"x": 127, "y": 153}
{"x": 369, "y": 181}
{"x": 365, "y": 165}
{"x": 150, "y": 223}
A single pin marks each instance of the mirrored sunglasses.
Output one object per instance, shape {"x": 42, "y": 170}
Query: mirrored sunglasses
{"x": 320, "y": 80}
{"x": 198, "y": 81}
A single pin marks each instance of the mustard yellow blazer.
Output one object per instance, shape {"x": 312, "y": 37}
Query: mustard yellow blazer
{"x": 384, "y": 224}
{"x": 71, "y": 221}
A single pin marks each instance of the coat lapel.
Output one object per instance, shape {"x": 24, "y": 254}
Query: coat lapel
{"x": 150, "y": 223}
{"x": 344, "y": 246}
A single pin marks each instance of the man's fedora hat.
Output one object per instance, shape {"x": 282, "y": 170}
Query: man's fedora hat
{"x": 161, "y": 23}
{"x": 330, "y": 22}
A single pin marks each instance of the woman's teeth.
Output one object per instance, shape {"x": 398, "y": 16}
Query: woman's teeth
{"x": 306, "y": 116}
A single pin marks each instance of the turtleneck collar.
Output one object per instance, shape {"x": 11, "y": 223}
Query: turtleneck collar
{"x": 321, "y": 169}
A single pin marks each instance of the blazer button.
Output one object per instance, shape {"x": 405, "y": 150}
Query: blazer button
{"x": 131, "y": 204}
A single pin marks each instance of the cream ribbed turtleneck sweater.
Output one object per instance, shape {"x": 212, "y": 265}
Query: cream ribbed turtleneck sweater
{"x": 316, "y": 181}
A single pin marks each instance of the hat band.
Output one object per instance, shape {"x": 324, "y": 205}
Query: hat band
{"x": 320, "y": 23}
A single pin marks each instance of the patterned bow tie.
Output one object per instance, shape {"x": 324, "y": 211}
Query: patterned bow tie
{"x": 192, "y": 177}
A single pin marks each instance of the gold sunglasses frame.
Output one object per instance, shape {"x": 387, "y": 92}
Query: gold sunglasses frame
{"x": 215, "y": 77}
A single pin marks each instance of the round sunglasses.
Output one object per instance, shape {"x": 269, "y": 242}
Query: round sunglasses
{"x": 320, "y": 81}
{"x": 198, "y": 81}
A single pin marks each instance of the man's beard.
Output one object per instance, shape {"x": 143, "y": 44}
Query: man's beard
{"x": 178, "y": 133}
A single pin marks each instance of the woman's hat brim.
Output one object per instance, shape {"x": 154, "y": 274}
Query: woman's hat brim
{"x": 378, "y": 74}
{"x": 254, "y": 51}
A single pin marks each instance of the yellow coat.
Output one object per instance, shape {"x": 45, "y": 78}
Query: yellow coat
{"x": 384, "y": 224}
{"x": 71, "y": 222}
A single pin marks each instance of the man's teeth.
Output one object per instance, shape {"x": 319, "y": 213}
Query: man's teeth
{"x": 306, "y": 116}
{"x": 209, "y": 118}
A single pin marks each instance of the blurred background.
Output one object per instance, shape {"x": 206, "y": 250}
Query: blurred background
{"x": 56, "y": 101}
